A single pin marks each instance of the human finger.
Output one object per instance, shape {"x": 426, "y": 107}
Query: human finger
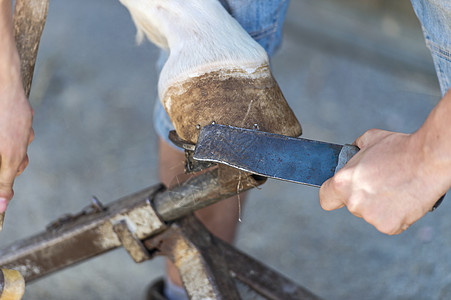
{"x": 4, "y": 203}
{"x": 329, "y": 199}
{"x": 7, "y": 176}
{"x": 23, "y": 166}
{"x": 31, "y": 137}
{"x": 370, "y": 137}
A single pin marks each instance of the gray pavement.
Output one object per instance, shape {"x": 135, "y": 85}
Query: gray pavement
{"x": 343, "y": 67}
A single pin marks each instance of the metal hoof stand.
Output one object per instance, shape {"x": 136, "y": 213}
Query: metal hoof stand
{"x": 151, "y": 222}
{"x": 154, "y": 222}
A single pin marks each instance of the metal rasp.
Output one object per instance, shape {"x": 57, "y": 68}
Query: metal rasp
{"x": 272, "y": 155}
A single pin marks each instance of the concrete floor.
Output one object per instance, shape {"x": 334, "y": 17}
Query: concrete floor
{"x": 344, "y": 68}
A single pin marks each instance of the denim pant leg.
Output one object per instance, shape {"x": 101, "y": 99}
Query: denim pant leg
{"x": 262, "y": 19}
{"x": 435, "y": 18}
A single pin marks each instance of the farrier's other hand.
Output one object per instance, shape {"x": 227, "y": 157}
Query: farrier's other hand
{"x": 16, "y": 134}
{"x": 15, "y": 111}
{"x": 389, "y": 183}
{"x": 215, "y": 71}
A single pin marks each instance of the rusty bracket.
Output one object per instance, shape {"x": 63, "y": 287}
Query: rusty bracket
{"x": 87, "y": 236}
{"x": 201, "y": 191}
{"x": 260, "y": 278}
{"x": 199, "y": 259}
{"x": 95, "y": 207}
{"x": 130, "y": 242}
{"x": 212, "y": 269}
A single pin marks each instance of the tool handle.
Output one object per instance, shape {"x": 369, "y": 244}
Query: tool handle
{"x": 12, "y": 285}
{"x": 348, "y": 151}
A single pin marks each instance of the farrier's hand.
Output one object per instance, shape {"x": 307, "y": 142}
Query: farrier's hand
{"x": 16, "y": 134}
{"x": 390, "y": 183}
{"x": 15, "y": 112}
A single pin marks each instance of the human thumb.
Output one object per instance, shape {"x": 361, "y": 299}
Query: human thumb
{"x": 6, "y": 188}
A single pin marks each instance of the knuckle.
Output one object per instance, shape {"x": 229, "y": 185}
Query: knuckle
{"x": 31, "y": 138}
{"x": 371, "y": 132}
{"x": 361, "y": 141}
{"x": 323, "y": 202}
{"x": 6, "y": 183}
{"x": 389, "y": 230}
{"x": 6, "y": 189}
{"x": 364, "y": 139}
{"x": 13, "y": 156}
{"x": 389, "y": 227}
{"x": 354, "y": 204}
{"x": 23, "y": 166}
{"x": 341, "y": 180}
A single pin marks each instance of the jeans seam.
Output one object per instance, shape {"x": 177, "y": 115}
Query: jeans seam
{"x": 439, "y": 51}
{"x": 263, "y": 33}
{"x": 269, "y": 31}
{"x": 277, "y": 21}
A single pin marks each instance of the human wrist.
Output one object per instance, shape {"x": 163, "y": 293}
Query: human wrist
{"x": 9, "y": 64}
{"x": 9, "y": 56}
{"x": 10, "y": 76}
{"x": 432, "y": 142}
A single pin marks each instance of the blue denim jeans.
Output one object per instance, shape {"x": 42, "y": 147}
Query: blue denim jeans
{"x": 262, "y": 19}
{"x": 435, "y": 18}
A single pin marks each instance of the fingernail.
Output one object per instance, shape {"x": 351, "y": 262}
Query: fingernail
{"x": 3, "y": 204}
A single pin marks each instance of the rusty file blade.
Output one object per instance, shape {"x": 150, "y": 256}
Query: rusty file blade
{"x": 271, "y": 155}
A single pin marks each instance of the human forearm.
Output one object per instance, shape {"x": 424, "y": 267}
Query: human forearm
{"x": 9, "y": 58}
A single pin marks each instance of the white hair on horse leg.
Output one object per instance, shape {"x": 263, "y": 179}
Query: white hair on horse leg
{"x": 202, "y": 38}
{"x": 144, "y": 14}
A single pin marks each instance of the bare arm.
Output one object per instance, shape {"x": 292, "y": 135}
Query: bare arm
{"x": 396, "y": 178}
{"x": 15, "y": 111}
